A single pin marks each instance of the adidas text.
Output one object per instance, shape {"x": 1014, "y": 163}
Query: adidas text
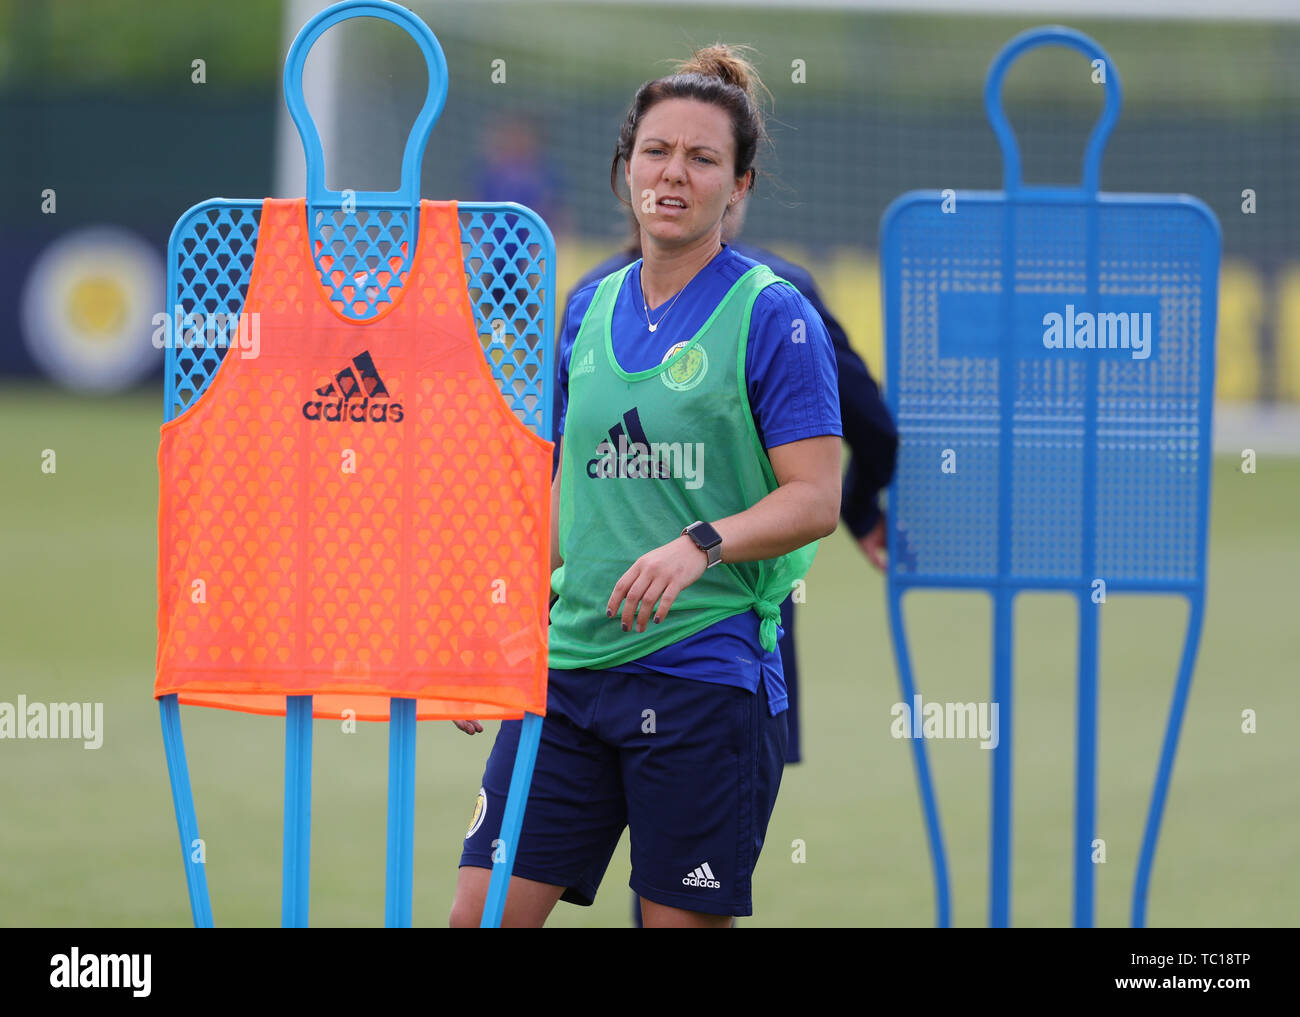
{"x": 341, "y": 409}
{"x": 703, "y": 877}
{"x": 585, "y": 366}
{"x": 658, "y": 460}
{"x": 359, "y": 378}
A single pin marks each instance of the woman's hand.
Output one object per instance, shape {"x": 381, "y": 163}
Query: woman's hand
{"x": 875, "y": 546}
{"x": 469, "y": 726}
{"x": 657, "y": 577}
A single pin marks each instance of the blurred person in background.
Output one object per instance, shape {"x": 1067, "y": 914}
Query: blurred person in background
{"x": 512, "y": 167}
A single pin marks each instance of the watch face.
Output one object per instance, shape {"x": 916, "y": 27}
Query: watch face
{"x": 705, "y": 536}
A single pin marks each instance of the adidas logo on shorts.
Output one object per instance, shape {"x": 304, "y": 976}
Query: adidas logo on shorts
{"x": 702, "y": 876}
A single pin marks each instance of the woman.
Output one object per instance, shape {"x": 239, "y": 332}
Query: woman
{"x": 700, "y": 462}
{"x": 869, "y": 430}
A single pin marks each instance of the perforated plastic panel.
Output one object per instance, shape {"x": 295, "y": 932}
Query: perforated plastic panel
{"x": 362, "y": 256}
{"x": 1137, "y": 420}
{"x": 1050, "y": 364}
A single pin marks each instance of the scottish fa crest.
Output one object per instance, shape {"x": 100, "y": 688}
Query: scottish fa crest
{"x": 689, "y": 371}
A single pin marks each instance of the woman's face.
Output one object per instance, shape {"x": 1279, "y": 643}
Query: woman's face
{"x": 684, "y": 153}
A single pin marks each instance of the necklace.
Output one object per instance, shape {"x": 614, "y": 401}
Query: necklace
{"x": 655, "y": 324}
{"x": 652, "y": 325}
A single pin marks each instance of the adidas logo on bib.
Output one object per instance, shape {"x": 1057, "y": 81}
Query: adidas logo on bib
{"x": 359, "y": 378}
{"x": 702, "y": 876}
{"x": 628, "y": 453}
{"x": 586, "y": 365}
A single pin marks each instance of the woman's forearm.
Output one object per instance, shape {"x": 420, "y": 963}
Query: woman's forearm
{"x": 795, "y": 514}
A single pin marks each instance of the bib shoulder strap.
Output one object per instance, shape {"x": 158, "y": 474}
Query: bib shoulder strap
{"x": 609, "y": 286}
{"x": 760, "y": 277}
{"x": 599, "y": 311}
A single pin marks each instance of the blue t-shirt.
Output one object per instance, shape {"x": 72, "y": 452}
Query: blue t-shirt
{"x": 793, "y": 394}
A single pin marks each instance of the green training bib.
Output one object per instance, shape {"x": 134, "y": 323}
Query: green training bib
{"x": 647, "y": 453}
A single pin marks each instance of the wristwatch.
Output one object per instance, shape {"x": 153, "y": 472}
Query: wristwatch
{"x": 707, "y": 540}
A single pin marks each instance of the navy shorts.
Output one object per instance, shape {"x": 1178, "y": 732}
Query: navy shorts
{"x": 692, "y": 768}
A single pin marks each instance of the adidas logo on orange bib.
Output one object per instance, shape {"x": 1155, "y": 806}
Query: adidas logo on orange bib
{"x": 341, "y": 403}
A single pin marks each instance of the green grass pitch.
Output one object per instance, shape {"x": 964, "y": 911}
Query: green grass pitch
{"x": 89, "y": 838}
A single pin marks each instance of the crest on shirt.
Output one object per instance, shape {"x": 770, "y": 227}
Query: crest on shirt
{"x": 689, "y": 371}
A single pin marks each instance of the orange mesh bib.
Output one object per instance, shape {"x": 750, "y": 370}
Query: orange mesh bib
{"x": 354, "y": 513}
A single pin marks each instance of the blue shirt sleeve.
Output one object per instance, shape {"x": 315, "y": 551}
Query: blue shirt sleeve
{"x": 574, "y": 311}
{"x": 790, "y": 370}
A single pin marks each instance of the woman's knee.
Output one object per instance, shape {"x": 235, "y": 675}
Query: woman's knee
{"x": 471, "y": 892}
{"x": 528, "y": 902}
